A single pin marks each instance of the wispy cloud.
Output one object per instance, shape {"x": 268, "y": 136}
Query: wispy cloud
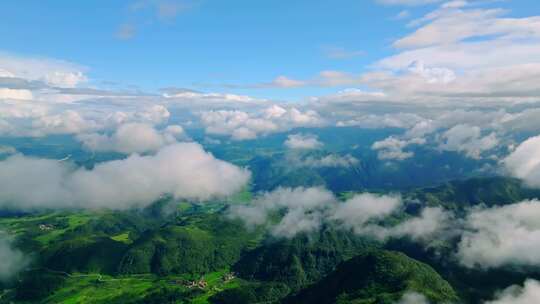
{"x": 141, "y": 13}
{"x": 126, "y": 31}
{"x": 335, "y": 52}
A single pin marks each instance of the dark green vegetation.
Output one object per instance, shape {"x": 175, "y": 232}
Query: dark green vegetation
{"x": 377, "y": 277}
{"x": 273, "y": 165}
{"x": 461, "y": 194}
{"x": 196, "y": 245}
{"x": 181, "y": 252}
{"x": 293, "y": 169}
{"x": 303, "y": 259}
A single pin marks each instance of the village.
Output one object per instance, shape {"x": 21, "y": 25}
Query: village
{"x": 203, "y": 284}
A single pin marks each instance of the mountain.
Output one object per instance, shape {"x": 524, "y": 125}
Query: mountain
{"x": 301, "y": 260}
{"x": 359, "y": 170}
{"x": 377, "y": 277}
{"x": 196, "y": 245}
{"x": 458, "y": 195}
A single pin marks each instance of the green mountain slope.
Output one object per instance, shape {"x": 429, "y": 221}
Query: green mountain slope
{"x": 377, "y": 277}
{"x": 461, "y": 194}
{"x": 301, "y": 260}
{"x": 198, "y": 245}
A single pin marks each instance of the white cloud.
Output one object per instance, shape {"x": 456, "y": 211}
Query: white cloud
{"x": 16, "y": 109}
{"x": 302, "y": 206}
{"x": 307, "y": 209}
{"x": 328, "y": 161}
{"x": 432, "y": 75}
{"x": 360, "y": 212}
{"x": 13, "y": 260}
{"x": 459, "y": 52}
{"x": 132, "y": 138}
{"x": 204, "y": 101}
{"x": 183, "y": 170}
{"x": 432, "y": 221}
{"x": 6, "y": 93}
{"x": 451, "y": 24}
{"x": 303, "y": 141}
{"x": 413, "y": 298}
{"x": 528, "y": 294}
{"x": 355, "y": 213}
{"x": 50, "y": 71}
{"x": 524, "y": 161}
{"x": 242, "y": 125}
{"x": 349, "y": 96}
{"x": 498, "y": 236}
{"x": 468, "y": 139}
{"x": 391, "y": 148}
{"x": 474, "y": 53}
{"x": 66, "y": 122}
{"x": 38, "y": 118}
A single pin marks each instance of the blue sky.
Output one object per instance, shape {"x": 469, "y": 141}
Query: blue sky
{"x": 448, "y": 75}
{"x": 204, "y": 44}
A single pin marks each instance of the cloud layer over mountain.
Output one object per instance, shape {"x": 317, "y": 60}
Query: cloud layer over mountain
{"x": 184, "y": 170}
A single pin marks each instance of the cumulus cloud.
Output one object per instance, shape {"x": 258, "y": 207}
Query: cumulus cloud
{"x": 302, "y": 206}
{"x": 303, "y": 141}
{"x": 7, "y": 93}
{"x": 528, "y": 294}
{"x": 524, "y": 161}
{"x": 476, "y": 133}
{"x": 432, "y": 221}
{"x": 468, "y": 139}
{"x": 13, "y": 260}
{"x": 132, "y": 138}
{"x": 307, "y": 209}
{"x": 474, "y": 23}
{"x": 242, "y": 125}
{"x": 361, "y": 213}
{"x": 356, "y": 212}
{"x": 391, "y": 148}
{"x": 49, "y": 71}
{"x": 183, "y": 170}
{"x": 456, "y": 53}
{"x": 468, "y": 35}
{"x": 37, "y": 119}
{"x": 499, "y": 236}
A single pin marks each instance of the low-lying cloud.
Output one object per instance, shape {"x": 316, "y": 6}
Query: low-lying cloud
{"x": 524, "y": 161}
{"x": 528, "y": 294}
{"x": 303, "y": 141}
{"x": 13, "y": 260}
{"x": 412, "y": 297}
{"x": 240, "y": 125}
{"x": 307, "y": 209}
{"x": 498, "y": 236}
{"x": 183, "y": 170}
{"x": 132, "y": 138}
